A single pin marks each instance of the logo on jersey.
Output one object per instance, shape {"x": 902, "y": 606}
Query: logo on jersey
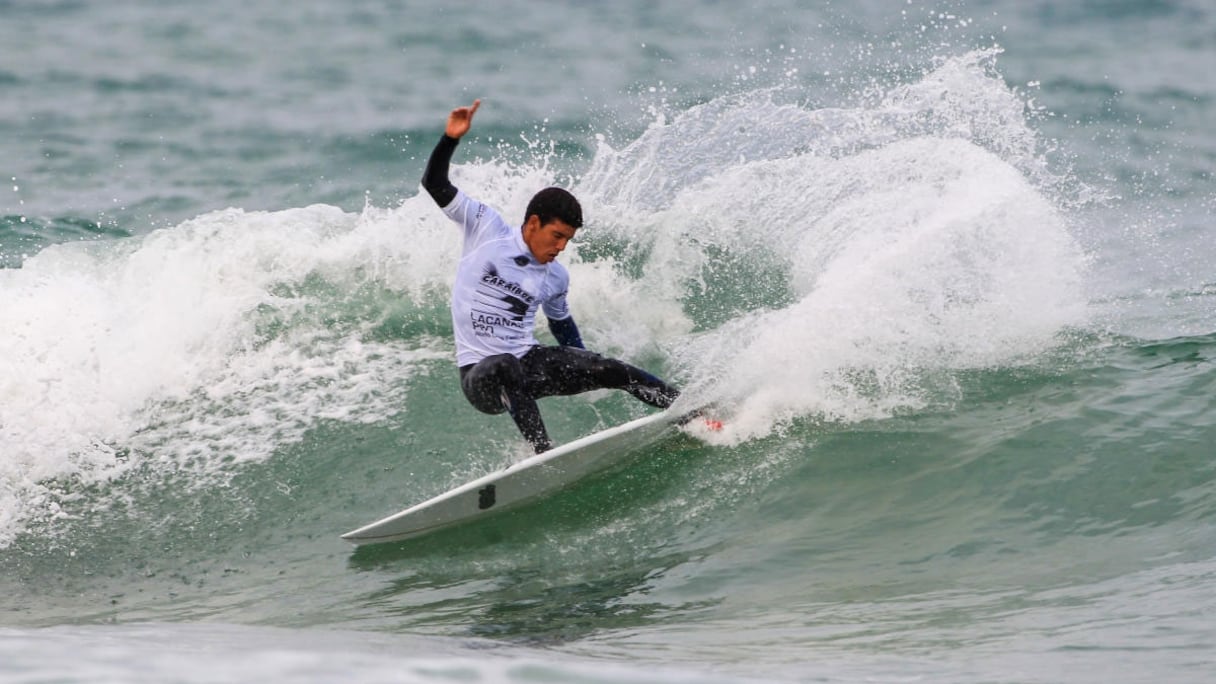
{"x": 500, "y": 306}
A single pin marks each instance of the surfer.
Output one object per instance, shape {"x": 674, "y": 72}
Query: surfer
{"x": 505, "y": 274}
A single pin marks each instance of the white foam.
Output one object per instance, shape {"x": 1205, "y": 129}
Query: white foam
{"x": 152, "y": 346}
{"x": 937, "y": 256}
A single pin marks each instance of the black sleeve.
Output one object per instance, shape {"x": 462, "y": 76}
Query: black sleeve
{"x": 435, "y": 178}
{"x": 566, "y": 332}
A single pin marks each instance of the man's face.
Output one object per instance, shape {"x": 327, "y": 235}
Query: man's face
{"x": 546, "y": 241}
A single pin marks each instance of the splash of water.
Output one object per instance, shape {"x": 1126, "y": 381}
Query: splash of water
{"x": 861, "y": 255}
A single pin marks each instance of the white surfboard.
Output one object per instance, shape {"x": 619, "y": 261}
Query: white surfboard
{"x": 520, "y": 482}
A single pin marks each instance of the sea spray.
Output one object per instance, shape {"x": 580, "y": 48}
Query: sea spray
{"x": 863, "y": 254}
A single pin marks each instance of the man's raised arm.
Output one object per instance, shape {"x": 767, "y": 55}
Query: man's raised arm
{"x": 435, "y": 177}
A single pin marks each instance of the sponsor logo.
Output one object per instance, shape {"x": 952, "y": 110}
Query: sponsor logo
{"x": 501, "y": 306}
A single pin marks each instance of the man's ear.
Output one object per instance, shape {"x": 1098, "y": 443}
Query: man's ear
{"x": 532, "y": 224}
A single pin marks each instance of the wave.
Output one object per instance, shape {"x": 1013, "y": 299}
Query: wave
{"x": 788, "y": 263}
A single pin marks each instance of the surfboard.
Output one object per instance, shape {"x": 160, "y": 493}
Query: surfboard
{"x": 520, "y": 482}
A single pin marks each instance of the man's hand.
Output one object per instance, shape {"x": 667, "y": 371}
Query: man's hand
{"x": 461, "y": 119}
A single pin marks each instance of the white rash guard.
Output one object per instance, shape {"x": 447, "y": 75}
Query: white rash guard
{"x": 499, "y": 286}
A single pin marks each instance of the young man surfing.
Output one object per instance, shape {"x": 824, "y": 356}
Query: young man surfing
{"x": 505, "y": 274}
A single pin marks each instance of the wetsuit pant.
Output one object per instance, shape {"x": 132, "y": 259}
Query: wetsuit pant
{"x": 505, "y": 383}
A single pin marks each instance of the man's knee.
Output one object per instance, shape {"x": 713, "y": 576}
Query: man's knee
{"x": 487, "y": 383}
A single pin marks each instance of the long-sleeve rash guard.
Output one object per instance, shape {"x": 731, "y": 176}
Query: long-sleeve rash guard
{"x": 499, "y": 284}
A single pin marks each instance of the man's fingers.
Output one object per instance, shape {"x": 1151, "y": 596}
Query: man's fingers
{"x": 461, "y": 119}
{"x": 467, "y": 112}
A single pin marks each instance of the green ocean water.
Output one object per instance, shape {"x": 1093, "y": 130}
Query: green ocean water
{"x": 943, "y": 266}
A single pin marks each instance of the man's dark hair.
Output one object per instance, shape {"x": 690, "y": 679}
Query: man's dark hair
{"x": 555, "y": 203}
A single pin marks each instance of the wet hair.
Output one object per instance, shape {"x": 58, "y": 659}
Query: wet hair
{"x": 555, "y": 203}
